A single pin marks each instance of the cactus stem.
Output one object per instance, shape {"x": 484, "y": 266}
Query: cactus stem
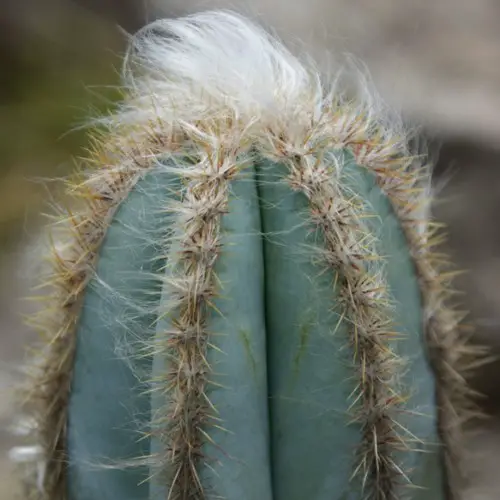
{"x": 209, "y": 88}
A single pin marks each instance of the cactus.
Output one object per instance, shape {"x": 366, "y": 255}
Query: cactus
{"x": 245, "y": 301}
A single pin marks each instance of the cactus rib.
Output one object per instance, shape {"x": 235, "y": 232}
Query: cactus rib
{"x": 453, "y": 356}
{"x": 73, "y": 257}
{"x": 406, "y": 184}
{"x": 191, "y": 285}
{"x": 365, "y": 302}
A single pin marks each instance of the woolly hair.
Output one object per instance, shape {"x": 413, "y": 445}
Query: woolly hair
{"x": 221, "y": 85}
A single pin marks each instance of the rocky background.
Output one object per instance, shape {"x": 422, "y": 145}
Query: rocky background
{"x": 439, "y": 62}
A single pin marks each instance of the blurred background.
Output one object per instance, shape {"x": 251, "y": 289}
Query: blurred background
{"x": 439, "y": 62}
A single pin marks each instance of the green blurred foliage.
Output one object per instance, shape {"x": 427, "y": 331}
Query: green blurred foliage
{"x": 62, "y": 69}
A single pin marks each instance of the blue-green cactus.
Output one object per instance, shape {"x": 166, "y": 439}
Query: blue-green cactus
{"x": 245, "y": 304}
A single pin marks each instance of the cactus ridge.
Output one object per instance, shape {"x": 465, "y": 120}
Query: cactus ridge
{"x": 191, "y": 284}
{"x": 75, "y": 242}
{"x": 365, "y": 301}
{"x": 213, "y": 93}
{"x": 452, "y": 355}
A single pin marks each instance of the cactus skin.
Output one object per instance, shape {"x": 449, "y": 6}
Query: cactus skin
{"x": 246, "y": 305}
